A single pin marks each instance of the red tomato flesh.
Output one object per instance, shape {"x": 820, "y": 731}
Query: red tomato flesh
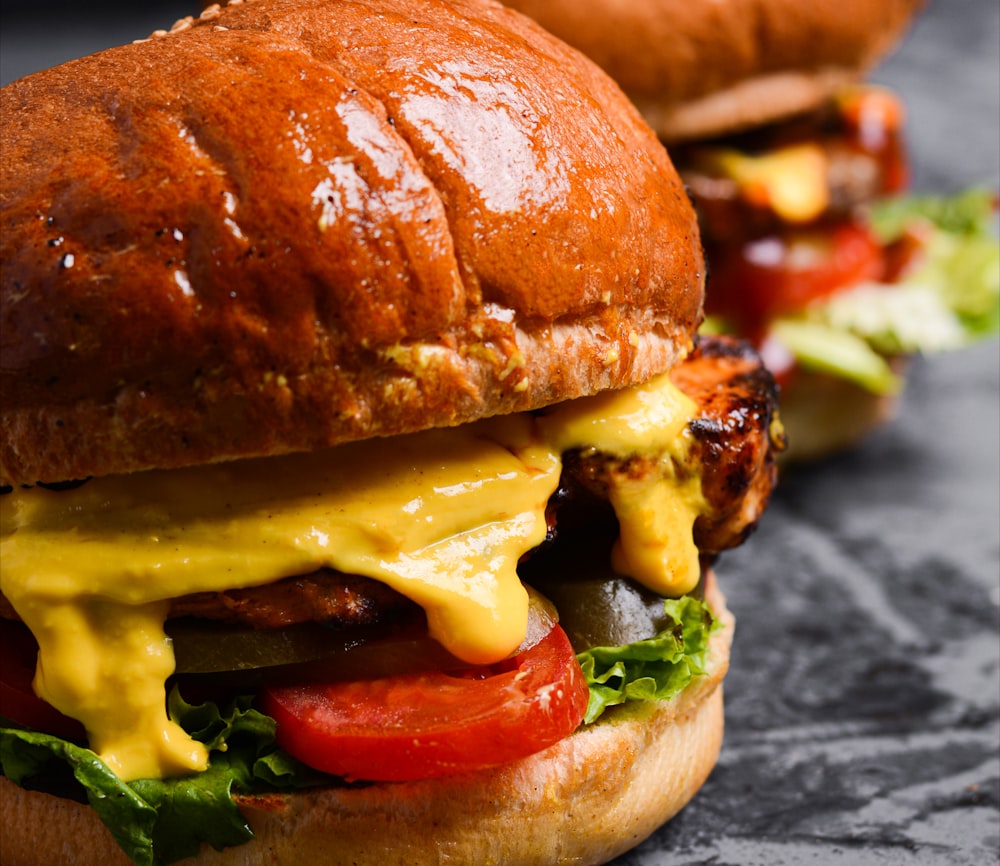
{"x": 436, "y": 723}
{"x": 781, "y": 274}
{"x": 18, "y": 701}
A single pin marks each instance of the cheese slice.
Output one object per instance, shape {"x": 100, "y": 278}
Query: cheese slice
{"x": 792, "y": 180}
{"x": 441, "y": 516}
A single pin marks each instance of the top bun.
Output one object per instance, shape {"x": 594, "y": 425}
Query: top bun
{"x": 286, "y": 225}
{"x": 698, "y": 68}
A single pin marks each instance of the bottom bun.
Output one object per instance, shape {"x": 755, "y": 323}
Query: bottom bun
{"x": 747, "y": 104}
{"x": 583, "y": 801}
{"x": 824, "y": 414}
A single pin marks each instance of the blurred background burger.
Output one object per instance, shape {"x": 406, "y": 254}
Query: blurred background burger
{"x": 800, "y": 173}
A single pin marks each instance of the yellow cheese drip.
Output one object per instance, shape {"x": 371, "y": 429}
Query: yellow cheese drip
{"x": 441, "y": 516}
{"x": 792, "y": 180}
{"x": 657, "y": 505}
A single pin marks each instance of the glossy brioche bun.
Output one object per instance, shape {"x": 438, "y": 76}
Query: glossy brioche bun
{"x": 286, "y": 225}
{"x": 583, "y": 801}
{"x": 699, "y": 68}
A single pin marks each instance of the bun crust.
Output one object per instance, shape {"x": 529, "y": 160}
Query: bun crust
{"x": 287, "y": 225}
{"x": 583, "y": 801}
{"x": 698, "y": 69}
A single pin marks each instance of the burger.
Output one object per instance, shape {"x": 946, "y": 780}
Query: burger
{"x": 363, "y": 468}
{"x": 817, "y": 253}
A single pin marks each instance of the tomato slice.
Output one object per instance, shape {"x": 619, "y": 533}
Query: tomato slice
{"x": 18, "y": 701}
{"x": 436, "y": 723}
{"x": 781, "y": 274}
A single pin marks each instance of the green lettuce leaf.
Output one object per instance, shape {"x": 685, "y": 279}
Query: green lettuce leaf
{"x": 950, "y": 300}
{"x": 829, "y": 349}
{"x": 657, "y": 668}
{"x": 969, "y": 212}
{"x": 158, "y": 821}
{"x": 26, "y": 754}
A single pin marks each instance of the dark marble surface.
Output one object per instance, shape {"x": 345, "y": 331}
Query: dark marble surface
{"x": 863, "y": 703}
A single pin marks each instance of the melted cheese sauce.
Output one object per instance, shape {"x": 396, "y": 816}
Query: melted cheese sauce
{"x": 441, "y": 516}
{"x": 791, "y": 180}
{"x": 656, "y": 506}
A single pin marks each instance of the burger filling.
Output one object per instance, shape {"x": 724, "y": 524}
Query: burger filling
{"x": 818, "y": 257}
{"x": 413, "y": 555}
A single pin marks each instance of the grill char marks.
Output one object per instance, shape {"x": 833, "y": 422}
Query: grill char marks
{"x": 736, "y": 441}
{"x": 737, "y": 437}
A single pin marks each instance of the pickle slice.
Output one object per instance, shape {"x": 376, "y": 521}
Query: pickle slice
{"x": 609, "y": 611}
{"x": 202, "y": 646}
